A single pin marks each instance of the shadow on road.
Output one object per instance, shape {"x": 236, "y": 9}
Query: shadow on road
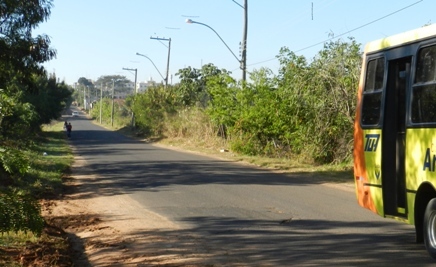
{"x": 116, "y": 165}
{"x": 234, "y": 242}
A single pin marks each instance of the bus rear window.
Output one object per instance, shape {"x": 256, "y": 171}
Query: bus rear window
{"x": 374, "y": 75}
{"x": 372, "y": 93}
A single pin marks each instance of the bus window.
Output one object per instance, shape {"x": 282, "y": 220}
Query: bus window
{"x": 374, "y": 75}
{"x": 424, "y": 88}
{"x": 424, "y": 104}
{"x": 372, "y": 94}
{"x": 425, "y": 66}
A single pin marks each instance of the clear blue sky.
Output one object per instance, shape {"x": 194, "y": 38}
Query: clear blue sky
{"x": 96, "y": 38}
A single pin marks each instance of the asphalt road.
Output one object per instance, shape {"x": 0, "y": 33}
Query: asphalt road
{"x": 247, "y": 215}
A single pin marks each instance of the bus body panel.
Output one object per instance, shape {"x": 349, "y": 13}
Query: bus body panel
{"x": 411, "y": 207}
{"x": 363, "y": 191}
{"x": 369, "y": 181}
{"x": 420, "y": 157}
{"x": 420, "y": 148}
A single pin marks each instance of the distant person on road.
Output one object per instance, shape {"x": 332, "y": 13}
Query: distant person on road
{"x": 69, "y": 128}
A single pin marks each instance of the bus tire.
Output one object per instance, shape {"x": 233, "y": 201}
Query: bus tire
{"x": 430, "y": 228}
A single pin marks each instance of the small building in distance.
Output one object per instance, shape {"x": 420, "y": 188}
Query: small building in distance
{"x": 143, "y": 86}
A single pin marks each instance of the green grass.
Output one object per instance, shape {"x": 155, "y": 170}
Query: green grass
{"x": 50, "y": 158}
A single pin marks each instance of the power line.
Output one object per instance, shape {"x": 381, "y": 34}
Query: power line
{"x": 364, "y": 25}
{"x": 342, "y": 34}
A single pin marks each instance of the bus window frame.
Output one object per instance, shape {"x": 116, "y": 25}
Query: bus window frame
{"x": 369, "y": 58}
{"x": 409, "y": 122}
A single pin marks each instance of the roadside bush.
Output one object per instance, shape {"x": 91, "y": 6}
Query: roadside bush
{"x": 19, "y": 212}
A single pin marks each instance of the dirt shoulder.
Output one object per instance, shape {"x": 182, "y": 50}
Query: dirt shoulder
{"x": 103, "y": 230}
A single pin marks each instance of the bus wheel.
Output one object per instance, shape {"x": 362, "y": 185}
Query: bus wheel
{"x": 430, "y": 228}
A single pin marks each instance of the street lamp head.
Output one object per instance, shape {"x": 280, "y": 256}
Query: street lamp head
{"x": 189, "y": 21}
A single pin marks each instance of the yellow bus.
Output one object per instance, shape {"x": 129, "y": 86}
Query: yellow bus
{"x": 395, "y": 131}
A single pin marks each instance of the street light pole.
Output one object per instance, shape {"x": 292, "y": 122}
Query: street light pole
{"x": 244, "y": 43}
{"x": 243, "y": 60}
{"x": 112, "y": 110}
{"x": 168, "y": 60}
{"x": 190, "y": 21}
{"x": 151, "y": 63}
{"x": 136, "y": 72}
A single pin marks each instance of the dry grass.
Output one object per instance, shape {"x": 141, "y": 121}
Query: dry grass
{"x": 191, "y": 130}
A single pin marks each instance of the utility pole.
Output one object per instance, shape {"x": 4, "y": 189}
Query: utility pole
{"x": 84, "y": 97}
{"x": 101, "y": 98}
{"x": 244, "y": 43}
{"x": 135, "y": 92}
{"x": 169, "y": 53}
{"x": 113, "y": 97}
{"x": 112, "y": 110}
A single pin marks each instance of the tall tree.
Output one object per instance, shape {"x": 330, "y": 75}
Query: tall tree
{"x": 28, "y": 98}
{"x": 20, "y": 52}
{"x": 193, "y": 83}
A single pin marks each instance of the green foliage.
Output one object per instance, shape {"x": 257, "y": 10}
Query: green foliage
{"x": 193, "y": 85}
{"x": 223, "y": 106}
{"x": 13, "y": 162}
{"x": 151, "y": 108}
{"x": 18, "y": 18}
{"x": 28, "y": 99}
{"x": 335, "y": 76}
{"x": 6, "y": 105}
{"x": 122, "y": 113}
{"x": 306, "y": 110}
{"x": 20, "y": 122}
{"x": 51, "y": 100}
{"x": 27, "y": 110}
{"x": 19, "y": 212}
